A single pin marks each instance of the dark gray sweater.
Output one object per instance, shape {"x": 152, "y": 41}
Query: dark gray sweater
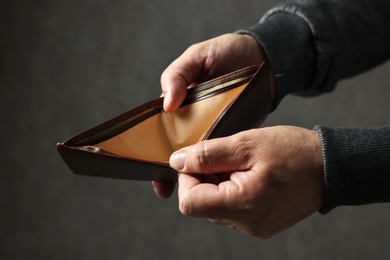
{"x": 311, "y": 45}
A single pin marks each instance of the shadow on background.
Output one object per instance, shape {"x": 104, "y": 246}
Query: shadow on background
{"x": 67, "y": 65}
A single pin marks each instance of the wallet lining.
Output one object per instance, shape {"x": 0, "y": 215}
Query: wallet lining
{"x": 118, "y": 128}
{"x": 194, "y": 94}
{"x": 157, "y": 137}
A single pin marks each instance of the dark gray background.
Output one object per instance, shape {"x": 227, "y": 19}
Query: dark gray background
{"x": 66, "y": 66}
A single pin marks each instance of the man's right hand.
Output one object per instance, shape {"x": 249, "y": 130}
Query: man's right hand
{"x": 207, "y": 60}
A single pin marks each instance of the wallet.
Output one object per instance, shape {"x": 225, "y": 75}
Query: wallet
{"x": 137, "y": 145}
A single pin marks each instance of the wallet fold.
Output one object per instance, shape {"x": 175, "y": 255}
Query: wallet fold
{"x": 136, "y": 145}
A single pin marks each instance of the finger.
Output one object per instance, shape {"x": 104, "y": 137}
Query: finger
{"x": 174, "y": 90}
{"x": 212, "y": 156}
{"x": 241, "y": 226}
{"x": 224, "y": 222}
{"x": 220, "y": 221}
{"x": 205, "y": 200}
{"x": 180, "y": 74}
{"x": 163, "y": 190}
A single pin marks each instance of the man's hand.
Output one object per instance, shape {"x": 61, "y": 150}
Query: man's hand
{"x": 259, "y": 182}
{"x": 207, "y": 60}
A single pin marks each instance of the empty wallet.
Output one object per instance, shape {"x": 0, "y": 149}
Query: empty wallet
{"x": 137, "y": 145}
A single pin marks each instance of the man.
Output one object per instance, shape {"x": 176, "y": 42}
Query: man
{"x": 274, "y": 177}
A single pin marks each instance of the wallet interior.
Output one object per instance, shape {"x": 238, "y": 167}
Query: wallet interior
{"x": 153, "y": 135}
{"x": 157, "y": 137}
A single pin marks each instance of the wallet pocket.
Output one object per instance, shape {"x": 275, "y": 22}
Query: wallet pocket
{"x": 137, "y": 144}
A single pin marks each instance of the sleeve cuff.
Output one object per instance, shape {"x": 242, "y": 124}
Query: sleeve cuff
{"x": 356, "y": 166}
{"x": 287, "y": 42}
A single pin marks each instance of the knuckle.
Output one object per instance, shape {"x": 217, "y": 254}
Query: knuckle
{"x": 165, "y": 77}
{"x": 193, "y": 48}
{"x": 242, "y": 149}
{"x": 185, "y": 206}
{"x": 258, "y": 233}
{"x": 184, "y": 209}
{"x": 200, "y": 51}
{"x": 201, "y": 157}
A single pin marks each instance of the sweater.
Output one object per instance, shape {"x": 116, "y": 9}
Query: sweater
{"x": 311, "y": 45}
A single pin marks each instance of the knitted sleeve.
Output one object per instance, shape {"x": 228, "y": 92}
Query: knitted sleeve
{"x": 311, "y": 45}
{"x": 357, "y": 166}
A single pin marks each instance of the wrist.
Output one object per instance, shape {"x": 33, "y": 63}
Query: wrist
{"x": 287, "y": 43}
{"x": 257, "y": 51}
{"x": 318, "y": 168}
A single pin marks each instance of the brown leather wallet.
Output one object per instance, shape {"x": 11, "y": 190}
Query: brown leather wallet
{"x": 137, "y": 144}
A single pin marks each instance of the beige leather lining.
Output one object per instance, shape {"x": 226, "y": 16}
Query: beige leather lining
{"x": 156, "y": 138}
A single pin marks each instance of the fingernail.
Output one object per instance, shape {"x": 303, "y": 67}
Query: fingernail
{"x": 177, "y": 160}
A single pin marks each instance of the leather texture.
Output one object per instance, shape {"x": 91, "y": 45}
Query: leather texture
{"x": 136, "y": 145}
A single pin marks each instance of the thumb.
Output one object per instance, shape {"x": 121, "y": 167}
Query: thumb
{"x": 211, "y": 156}
{"x": 177, "y": 77}
{"x": 205, "y": 199}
